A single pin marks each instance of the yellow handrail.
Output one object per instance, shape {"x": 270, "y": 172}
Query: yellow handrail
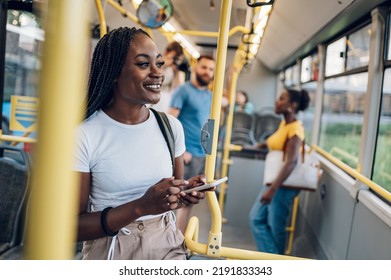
{"x": 23, "y": 139}
{"x": 191, "y": 235}
{"x": 354, "y": 173}
{"x": 14, "y": 143}
{"x": 232, "y": 31}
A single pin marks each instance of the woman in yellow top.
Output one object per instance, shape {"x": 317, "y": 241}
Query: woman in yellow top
{"x": 269, "y": 214}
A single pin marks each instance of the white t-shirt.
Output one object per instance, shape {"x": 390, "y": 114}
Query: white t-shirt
{"x": 124, "y": 160}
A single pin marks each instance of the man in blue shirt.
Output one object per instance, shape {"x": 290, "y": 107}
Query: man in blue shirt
{"x": 191, "y": 105}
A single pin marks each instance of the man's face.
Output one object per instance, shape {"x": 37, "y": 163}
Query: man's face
{"x": 204, "y": 71}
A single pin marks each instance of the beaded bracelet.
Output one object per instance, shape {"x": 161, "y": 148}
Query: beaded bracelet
{"x": 103, "y": 223}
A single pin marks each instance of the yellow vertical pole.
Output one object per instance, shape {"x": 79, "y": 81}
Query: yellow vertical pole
{"x": 238, "y": 65}
{"x": 52, "y": 215}
{"x": 222, "y": 43}
{"x": 291, "y": 229}
{"x": 102, "y": 19}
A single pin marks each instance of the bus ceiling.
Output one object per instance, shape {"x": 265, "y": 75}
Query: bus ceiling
{"x": 290, "y": 38}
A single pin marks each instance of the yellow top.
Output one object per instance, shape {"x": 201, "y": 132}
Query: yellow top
{"x": 285, "y": 131}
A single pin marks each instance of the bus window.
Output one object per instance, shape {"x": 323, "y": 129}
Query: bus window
{"x": 22, "y": 58}
{"x": 335, "y": 57}
{"x": 342, "y": 117}
{"x": 309, "y": 68}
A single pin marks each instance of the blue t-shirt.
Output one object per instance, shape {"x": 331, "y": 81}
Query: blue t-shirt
{"x": 194, "y": 105}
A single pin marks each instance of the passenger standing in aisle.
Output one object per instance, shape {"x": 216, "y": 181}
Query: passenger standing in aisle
{"x": 129, "y": 187}
{"x": 269, "y": 215}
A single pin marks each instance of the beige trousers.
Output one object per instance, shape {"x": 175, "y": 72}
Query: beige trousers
{"x": 153, "y": 239}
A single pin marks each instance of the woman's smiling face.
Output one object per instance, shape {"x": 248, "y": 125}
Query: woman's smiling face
{"x": 141, "y": 76}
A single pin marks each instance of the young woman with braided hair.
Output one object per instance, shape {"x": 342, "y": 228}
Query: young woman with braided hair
{"x": 269, "y": 214}
{"x": 128, "y": 189}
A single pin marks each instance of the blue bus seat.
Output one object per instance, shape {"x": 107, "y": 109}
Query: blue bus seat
{"x": 14, "y": 179}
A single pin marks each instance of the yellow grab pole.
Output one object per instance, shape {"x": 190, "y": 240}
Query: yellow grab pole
{"x": 102, "y": 19}
{"x": 291, "y": 229}
{"x": 215, "y": 232}
{"x": 228, "y": 127}
{"x": 52, "y": 215}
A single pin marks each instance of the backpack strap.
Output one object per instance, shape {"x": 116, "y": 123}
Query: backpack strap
{"x": 166, "y": 129}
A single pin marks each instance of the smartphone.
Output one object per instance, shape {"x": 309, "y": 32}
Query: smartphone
{"x": 207, "y": 186}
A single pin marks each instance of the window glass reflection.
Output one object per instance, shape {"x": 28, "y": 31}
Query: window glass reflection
{"x": 358, "y": 48}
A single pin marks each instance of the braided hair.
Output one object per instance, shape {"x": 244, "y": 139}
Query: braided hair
{"x": 301, "y": 97}
{"x": 107, "y": 61}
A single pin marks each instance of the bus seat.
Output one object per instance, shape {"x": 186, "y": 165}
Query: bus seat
{"x": 242, "y": 120}
{"x": 242, "y": 129}
{"x": 265, "y": 125}
{"x": 14, "y": 177}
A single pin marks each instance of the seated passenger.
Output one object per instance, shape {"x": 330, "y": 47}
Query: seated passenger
{"x": 242, "y": 104}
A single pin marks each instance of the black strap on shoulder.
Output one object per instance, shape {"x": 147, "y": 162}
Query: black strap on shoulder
{"x": 166, "y": 129}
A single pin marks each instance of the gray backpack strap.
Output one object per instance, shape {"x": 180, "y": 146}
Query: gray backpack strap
{"x": 166, "y": 129}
